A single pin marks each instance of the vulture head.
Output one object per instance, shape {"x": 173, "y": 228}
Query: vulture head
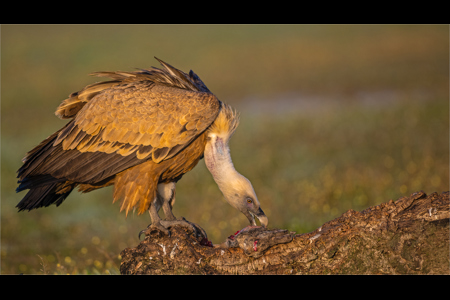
{"x": 240, "y": 194}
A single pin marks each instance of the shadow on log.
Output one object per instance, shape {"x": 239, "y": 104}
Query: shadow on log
{"x": 408, "y": 236}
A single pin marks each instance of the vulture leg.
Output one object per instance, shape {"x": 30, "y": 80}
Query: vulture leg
{"x": 167, "y": 192}
{"x": 166, "y": 195}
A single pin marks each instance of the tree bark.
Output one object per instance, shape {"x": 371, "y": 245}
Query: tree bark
{"x": 408, "y": 236}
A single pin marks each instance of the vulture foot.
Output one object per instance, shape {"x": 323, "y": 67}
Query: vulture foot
{"x": 164, "y": 225}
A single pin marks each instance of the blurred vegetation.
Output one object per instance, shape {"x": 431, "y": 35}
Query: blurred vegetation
{"x": 332, "y": 118}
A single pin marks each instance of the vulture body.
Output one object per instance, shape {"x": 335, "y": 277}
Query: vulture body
{"x": 141, "y": 132}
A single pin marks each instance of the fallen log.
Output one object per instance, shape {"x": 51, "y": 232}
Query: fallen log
{"x": 407, "y": 236}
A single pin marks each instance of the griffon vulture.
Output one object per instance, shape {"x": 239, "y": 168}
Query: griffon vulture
{"x": 141, "y": 132}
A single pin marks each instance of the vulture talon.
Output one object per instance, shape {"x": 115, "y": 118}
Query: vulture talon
{"x": 197, "y": 228}
{"x": 143, "y": 231}
{"x": 140, "y": 233}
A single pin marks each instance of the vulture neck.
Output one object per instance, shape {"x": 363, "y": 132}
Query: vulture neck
{"x": 218, "y": 161}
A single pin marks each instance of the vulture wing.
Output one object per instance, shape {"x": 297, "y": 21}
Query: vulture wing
{"x": 142, "y": 115}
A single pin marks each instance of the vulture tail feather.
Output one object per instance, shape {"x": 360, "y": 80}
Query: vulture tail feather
{"x": 43, "y": 196}
{"x": 36, "y": 181}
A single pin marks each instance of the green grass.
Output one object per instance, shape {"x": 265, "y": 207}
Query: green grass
{"x": 332, "y": 118}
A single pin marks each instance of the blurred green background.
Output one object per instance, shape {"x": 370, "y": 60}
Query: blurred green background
{"x": 333, "y": 117}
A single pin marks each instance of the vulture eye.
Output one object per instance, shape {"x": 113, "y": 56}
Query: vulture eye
{"x": 249, "y": 200}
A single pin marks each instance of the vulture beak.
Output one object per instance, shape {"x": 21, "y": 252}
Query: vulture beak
{"x": 261, "y": 217}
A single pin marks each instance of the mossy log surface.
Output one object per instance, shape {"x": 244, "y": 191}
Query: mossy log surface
{"x": 407, "y": 236}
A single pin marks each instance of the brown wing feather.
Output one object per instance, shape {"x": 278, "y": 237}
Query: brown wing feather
{"x": 72, "y": 105}
{"x": 146, "y": 114}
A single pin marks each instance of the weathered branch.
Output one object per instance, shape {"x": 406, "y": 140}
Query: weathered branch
{"x": 408, "y": 236}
